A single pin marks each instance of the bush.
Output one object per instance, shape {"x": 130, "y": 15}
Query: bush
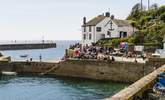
{"x": 162, "y": 17}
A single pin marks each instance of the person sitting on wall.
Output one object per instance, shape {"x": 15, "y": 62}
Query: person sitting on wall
{"x": 135, "y": 60}
{"x": 113, "y": 59}
{"x": 109, "y": 59}
{"x": 31, "y": 59}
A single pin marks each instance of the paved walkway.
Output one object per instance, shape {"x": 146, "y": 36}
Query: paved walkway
{"x": 139, "y": 60}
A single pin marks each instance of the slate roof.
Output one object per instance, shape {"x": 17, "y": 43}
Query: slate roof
{"x": 122, "y": 23}
{"x": 98, "y": 19}
{"x": 95, "y": 21}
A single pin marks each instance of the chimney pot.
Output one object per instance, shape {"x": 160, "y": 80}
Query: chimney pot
{"x": 107, "y": 14}
{"x": 84, "y": 20}
{"x": 112, "y": 17}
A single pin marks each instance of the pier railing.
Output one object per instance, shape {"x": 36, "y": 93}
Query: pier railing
{"x": 21, "y": 45}
{"x": 26, "y": 42}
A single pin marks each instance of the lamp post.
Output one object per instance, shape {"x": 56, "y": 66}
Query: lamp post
{"x": 141, "y": 5}
{"x": 43, "y": 39}
{"x": 148, "y": 4}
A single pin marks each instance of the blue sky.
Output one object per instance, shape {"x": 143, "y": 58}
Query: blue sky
{"x": 55, "y": 19}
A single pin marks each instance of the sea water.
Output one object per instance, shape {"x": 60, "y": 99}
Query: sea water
{"x": 47, "y": 54}
{"x": 52, "y": 88}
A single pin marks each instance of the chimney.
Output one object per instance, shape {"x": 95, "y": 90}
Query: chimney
{"x": 107, "y": 14}
{"x": 112, "y": 17}
{"x": 84, "y": 20}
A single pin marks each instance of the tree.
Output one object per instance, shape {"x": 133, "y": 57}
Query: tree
{"x": 139, "y": 37}
{"x": 141, "y": 4}
{"x": 154, "y": 6}
{"x": 135, "y": 12}
{"x": 148, "y": 4}
{"x": 162, "y": 17}
{"x": 161, "y": 10}
{"x": 133, "y": 23}
{"x": 136, "y": 7}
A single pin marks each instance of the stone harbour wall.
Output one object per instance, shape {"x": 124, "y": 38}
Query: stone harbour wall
{"x": 101, "y": 70}
{"x": 127, "y": 72}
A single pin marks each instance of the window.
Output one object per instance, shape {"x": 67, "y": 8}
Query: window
{"x": 90, "y": 28}
{"x": 84, "y": 29}
{"x": 120, "y": 34}
{"x": 124, "y": 34}
{"x": 98, "y": 29}
{"x": 84, "y": 36}
{"x": 109, "y": 34}
{"x": 90, "y": 36}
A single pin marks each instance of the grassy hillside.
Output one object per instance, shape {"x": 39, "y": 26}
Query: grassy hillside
{"x": 150, "y": 25}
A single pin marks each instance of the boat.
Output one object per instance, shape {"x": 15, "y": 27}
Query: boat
{"x": 161, "y": 75}
{"x": 23, "y": 56}
{"x": 159, "y": 88}
{"x": 9, "y": 73}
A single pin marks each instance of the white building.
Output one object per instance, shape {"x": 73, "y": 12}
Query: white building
{"x": 162, "y": 51}
{"x": 102, "y": 27}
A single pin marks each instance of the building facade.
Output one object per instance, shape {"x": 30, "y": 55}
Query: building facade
{"x": 104, "y": 26}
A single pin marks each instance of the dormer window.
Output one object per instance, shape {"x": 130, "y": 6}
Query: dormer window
{"x": 98, "y": 29}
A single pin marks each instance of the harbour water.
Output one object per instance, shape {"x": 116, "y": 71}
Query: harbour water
{"x": 52, "y": 88}
{"x": 44, "y": 88}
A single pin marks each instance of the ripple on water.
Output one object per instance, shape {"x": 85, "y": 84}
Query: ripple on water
{"x": 44, "y": 88}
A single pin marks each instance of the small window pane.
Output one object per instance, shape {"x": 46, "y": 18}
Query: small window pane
{"x": 84, "y": 36}
{"x": 90, "y": 36}
{"x": 84, "y": 29}
{"x": 90, "y": 29}
{"x": 98, "y": 29}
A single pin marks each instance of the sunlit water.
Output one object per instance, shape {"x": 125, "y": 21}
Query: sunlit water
{"x": 44, "y": 88}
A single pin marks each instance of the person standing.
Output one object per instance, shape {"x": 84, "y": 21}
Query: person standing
{"x": 40, "y": 57}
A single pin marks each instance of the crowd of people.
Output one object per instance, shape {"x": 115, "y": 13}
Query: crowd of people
{"x": 95, "y": 52}
{"x": 103, "y": 52}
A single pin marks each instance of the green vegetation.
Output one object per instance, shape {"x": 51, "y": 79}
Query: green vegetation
{"x": 150, "y": 24}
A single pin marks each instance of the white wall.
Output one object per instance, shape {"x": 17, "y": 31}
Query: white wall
{"x": 87, "y": 40}
{"x": 105, "y": 28}
{"x": 162, "y": 55}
